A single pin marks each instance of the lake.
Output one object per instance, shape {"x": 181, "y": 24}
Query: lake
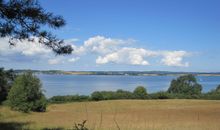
{"x": 86, "y": 84}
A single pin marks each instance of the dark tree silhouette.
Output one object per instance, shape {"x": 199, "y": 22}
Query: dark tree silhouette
{"x": 24, "y": 19}
{"x": 7, "y": 77}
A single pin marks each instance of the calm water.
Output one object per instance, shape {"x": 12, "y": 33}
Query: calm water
{"x": 86, "y": 84}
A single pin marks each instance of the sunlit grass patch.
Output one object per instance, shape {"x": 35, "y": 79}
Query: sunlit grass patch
{"x": 124, "y": 114}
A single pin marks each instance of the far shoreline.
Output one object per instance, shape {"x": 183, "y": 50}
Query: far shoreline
{"x": 120, "y": 73}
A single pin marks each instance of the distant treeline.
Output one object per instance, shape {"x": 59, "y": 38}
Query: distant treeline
{"x": 132, "y": 73}
{"x": 122, "y": 94}
{"x": 184, "y": 87}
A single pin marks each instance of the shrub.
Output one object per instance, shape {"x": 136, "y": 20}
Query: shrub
{"x": 97, "y": 96}
{"x": 213, "y": 94}
{"x": 140, "y": 92}
{"x": 111, "y": 95}
{"x": 26, "y": 94}
{"x": 160, "y": 95}
{"x": 108, "y": 95}
{"x": 68, "y": 98}
{"x": 40, "y": 105}
{"x": 217, "y": 90}
{"x": 122, "y": 94}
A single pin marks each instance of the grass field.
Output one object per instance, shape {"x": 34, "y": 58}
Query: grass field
{"x": 123, "y": 114}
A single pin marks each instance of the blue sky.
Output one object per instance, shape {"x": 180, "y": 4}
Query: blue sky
{"x": 173, "y": 35}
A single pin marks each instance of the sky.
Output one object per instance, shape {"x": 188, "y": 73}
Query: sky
{"x": 134, "y": 35}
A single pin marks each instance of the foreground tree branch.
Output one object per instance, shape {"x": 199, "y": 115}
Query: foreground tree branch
{"x": 24, "y": 19}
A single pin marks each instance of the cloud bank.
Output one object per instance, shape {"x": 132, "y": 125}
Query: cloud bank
{"x": 107, "y": 50}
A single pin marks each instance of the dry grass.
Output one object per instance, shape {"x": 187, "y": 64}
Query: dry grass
{"x": 127, "y": 114}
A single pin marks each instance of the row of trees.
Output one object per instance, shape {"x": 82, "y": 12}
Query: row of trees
{"x": 139, "y": 93}
{"x": 184, "y": 87}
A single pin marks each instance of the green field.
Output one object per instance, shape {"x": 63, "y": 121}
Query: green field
{"x": 123, "y": 114}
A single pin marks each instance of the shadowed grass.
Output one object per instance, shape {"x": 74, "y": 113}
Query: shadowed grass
{"x": 13, "y": 126}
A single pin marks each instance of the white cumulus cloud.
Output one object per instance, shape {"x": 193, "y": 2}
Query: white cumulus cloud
{"x": 35, "y": 50}
{"x": 133, "y": 56}
{"x": 62, "y": 60}
{"x": 139, "y": 56}
{"x": 55, "y": 61}
{"x": 175, "y": 58}
{"x": 74, "y": 59}
{"x": 23, "y": 47}
{"x": 102, "y": 45}
{"x": 99, "y": 45}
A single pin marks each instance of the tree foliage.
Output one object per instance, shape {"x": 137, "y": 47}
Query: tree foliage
{"x": 186, "y": 84}
{"x": 26, "y": 94}
{"x": 111, "y": 95}
{"x": 24, "y": 19}
{"x": 123, "y": 94}
{"x": 140, "y": 92}
{"x": 97, "y": 96}
{"x": 6, "y": 80}
{"x": 217, "y": 89}
{"x": 160, "y": 95}
{"x": 68, "y": 98}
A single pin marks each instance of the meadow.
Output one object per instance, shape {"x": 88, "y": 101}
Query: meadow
{"x": 175, "y": 114}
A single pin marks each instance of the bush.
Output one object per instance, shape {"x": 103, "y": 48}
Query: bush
{"x": 26, "y": 94}
{"x": 68, "y": 98}
{"x": 160, "y": 95}
{"x": 140, "y": 93}
{"x": 213, "y": 94}
{"x": 217, "y": 90}
{"x": 97, "y": 96}
{"x": 122, "y": 94}
{"x": 108, "y": 95}
{"x": 111, "y": 95}
{"x": 40, "y": 105}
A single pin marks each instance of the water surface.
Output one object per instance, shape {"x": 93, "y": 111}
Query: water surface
{"x": 86, "y": 84}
